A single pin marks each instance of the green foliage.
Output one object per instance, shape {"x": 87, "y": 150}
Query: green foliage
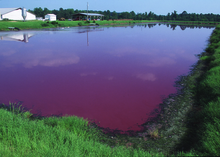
{"x": 21, "y": 136}
{"x": 208, "y": 97}
{"x": 54, "y": 23}
{"x": 207, "y": 58}
{"x": 45, "y": 24}
{"x": 80, "y": 24}
{"x": 5, "y": 19}
{"x": 87, "y": 21}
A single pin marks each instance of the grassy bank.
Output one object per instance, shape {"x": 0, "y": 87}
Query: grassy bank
{"x": 41, "y": 25}
{"x": 23, "y": 135}
{"x": 188, "y": 123}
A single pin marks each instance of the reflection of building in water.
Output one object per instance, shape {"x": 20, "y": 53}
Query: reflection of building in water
{"x": 23, "y": 37}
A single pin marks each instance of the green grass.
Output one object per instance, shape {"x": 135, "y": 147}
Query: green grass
{"x": 34, "y": 24}
{"x": 40, "y": 24}
{"x": 22, "y": 135}
{"x": 189, "y": 123}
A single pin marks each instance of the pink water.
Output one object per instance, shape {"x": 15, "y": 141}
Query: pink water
{"x": 116, "y": 76}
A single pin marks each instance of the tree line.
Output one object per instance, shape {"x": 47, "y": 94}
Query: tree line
{"x": 184, "y": 16}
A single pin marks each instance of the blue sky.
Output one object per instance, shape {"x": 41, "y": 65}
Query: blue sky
{"x": 159, "y": 7}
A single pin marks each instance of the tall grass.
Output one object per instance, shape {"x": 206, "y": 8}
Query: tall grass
{"x": 23, "y": 135}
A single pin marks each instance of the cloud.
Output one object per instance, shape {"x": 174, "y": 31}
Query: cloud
{"x": 147, "y": 77}
{"x": 158, "y": 62}
{"x": 123, "y": 51}
{"x": 41, "y": 57}
{"x": 110, "y": 78}
{"x": 89, "y": 73}
{"x": 8, "y": 52}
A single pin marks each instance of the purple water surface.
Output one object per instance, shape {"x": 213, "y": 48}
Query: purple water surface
{"x": 115, "y": 75}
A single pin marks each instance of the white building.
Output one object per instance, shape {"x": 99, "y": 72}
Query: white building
{"x": 39, "y": 18}
{"x": 51, "y": 17}
{"x": 15, "y": 14}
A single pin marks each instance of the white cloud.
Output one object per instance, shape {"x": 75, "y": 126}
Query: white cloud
{"x": 89, "y": 73}
{"x": 158, "y": 62}
{"x": 147, "y": 77}
{"x": 41, "y": 57}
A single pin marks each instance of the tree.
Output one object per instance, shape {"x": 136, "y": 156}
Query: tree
{"x": 125, "y": 15}
{"x": 168, "y": 16}
{"x": 145, "y": 16}
{"x": 193, "y": 17}
{"x": 184, "y": 13}
{"x": 38, "y": 12}
{"x": 132, "y": 15}
{"x": 46, "y": 11}
{"x": 69, "y": 13}
{"x": 61, "y": 13}
{"x": 55, "y": 12}
{"x": 114, "y": 15}
{"x": 139, "y": 16}
{"x": 108, "y": 13}
{"x": 174, "y": 15}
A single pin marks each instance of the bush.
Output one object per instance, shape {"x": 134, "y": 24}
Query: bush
{"x": 80, "y": 23}
{"x": 45, "y": 24}
{"x": 93, "y": 21}
{"x": 54, "y": 23}
{"x": 87, "y": 21}
{"x": 5, "y": 19}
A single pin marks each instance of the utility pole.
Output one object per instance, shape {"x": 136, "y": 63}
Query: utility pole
{"x": 87, "y": 10}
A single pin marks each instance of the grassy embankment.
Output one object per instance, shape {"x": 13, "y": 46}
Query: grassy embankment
{"x": 40, "y": 24}
{"x": 188, "y": 123}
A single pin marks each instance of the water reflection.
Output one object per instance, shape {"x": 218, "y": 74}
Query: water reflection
{"x": 21, "y": 37}
{"x": 174, "y": 26}
{"x": 90, "y": 29}
{"x": 147, "y": 77}
{"x": 117, "y": 79}
{"x": 40, "y": 57}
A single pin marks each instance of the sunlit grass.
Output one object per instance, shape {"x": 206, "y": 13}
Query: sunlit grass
{"x": 66, "y": 136}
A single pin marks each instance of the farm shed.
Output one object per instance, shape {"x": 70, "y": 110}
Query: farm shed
{"x": 51, "y": 17}
{"x": 15, "y": 14}
{"x": 80, "y": 15}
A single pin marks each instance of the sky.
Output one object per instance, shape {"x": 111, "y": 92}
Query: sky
{"x": 159, "y": 7}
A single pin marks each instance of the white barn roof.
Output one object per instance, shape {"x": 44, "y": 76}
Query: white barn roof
{"x": 89, "y": 14}
{"x": 15, "y": 14}
{"x": 7, "y": 10}
{"x": 51, "y": 14}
